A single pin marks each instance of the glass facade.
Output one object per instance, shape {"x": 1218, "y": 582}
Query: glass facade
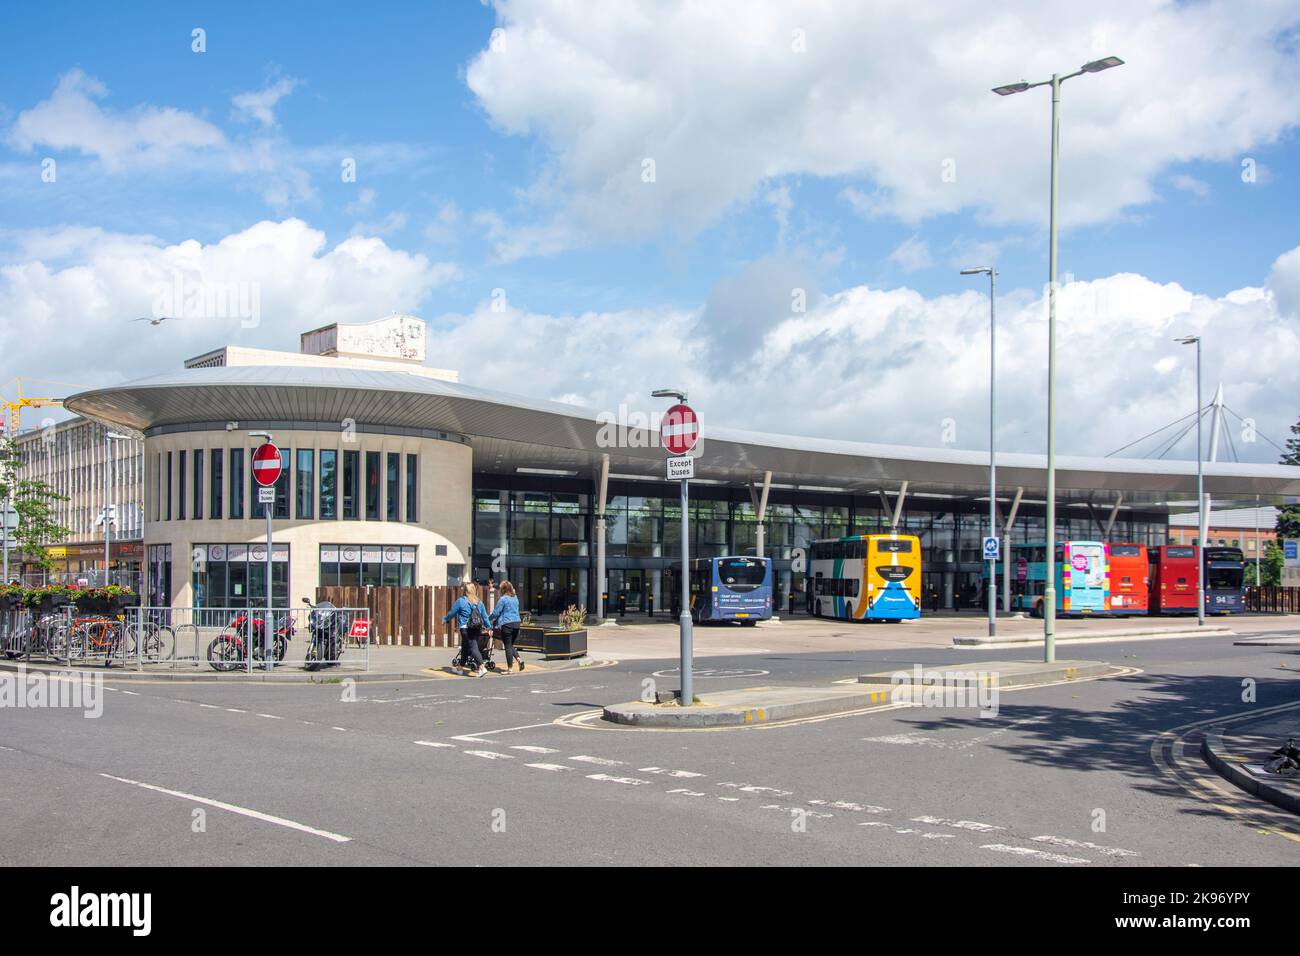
{"x": 234, "y": 575}
{"x": 352, "y": 565}
{"x": 215, "y": 485}
{"x": 329, "y": 487}
{"x": 305, "y": 484}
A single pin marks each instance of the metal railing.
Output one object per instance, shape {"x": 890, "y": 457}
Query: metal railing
{"x": 167, "y": 637}
{"x": 236, "y": 639}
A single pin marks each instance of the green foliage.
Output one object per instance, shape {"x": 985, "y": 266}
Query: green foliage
{"x": 34, "y": 501}
{"x": 573, "y": 617}
{"x": 1288, "y": 516}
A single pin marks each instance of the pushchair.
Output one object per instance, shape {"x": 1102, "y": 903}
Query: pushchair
{"x": 485, "y": 647}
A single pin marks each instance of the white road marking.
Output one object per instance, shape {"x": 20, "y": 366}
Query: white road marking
{"x": 562, "y": 690}
{"x": 131, "y": 693}
{"x": 235, "y": 710}
{"x": 671, "y": 773}
{"x": 553, "y": 767}
{"x": 630, "y": 781}
{"x": 811, "y": 813}
{"x": 242, "y": 811}
{"x": 423, "y": 743}
{"x": 1083, "y": 845}
{"x": 270, "y": 716}
{"x": 535, "y": 750}
{"x": 584, "y": 758}
{"x": 1037, "y": 854}
{"x": 754, "y": 788}
{"x": 906, "y": 831}
{"x": 905, "y": 739}
{"x": 730, "y": 799}
{"x": 687, "y": 793}
{"x": 504, "y": 730}
{"x": 847, "y": 805}
{"x": 958, "y": 824}
{"x": 489, "y": 754}
{"x": 210, "y": 706}
{"x": 344, "y": 729}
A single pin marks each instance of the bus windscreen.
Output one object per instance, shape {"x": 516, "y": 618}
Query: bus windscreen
{"x": 742, "y": 575}
{"x": 1126, "y": 550}
{"x": 1180, "y": 552}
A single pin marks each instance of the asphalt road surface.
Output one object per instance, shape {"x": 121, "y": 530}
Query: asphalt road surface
{"x": 520, "y": 770}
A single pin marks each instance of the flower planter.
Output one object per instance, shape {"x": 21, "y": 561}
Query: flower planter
{"x": 554, "y": 643}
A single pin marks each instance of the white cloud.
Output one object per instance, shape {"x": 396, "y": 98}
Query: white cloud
{"x": 912, "y": 255}
{"x": 1190, "y": 184}
{"x": 71, "y": 321}
{"x": 73, "y": 119}
{"x": 892, "y": 94}
{"x": 259, "y": 105}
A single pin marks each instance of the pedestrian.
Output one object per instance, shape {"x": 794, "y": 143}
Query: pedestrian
{"x": 471, "y": 620}
{"x": 505, "y": 622}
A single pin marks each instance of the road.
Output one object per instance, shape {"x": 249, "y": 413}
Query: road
{"x": 516, "y": 770}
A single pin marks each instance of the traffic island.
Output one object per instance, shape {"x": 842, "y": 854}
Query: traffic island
{"x": 1070, "y": 636}
{"x": 1240, "y": 756}
{"x": 753, "y": 706}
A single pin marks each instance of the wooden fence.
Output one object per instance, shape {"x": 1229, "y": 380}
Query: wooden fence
{"x": 409, "y": 616}
{"x": 1274, "y": 599}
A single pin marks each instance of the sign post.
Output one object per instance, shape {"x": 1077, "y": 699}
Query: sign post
{"x": 8, "y": 525}
{"x": 678, "y": 433}
{"x": 267, "y": 465}
{"x": 992, "y": 549}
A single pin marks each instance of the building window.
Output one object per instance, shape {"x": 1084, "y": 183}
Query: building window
{"x": 329, "y": 468}
{"x": 393, "y": 488}
{"x": 160, "y": 575}
{"x": 198, "y": 485}
{"x": 368, "y": 565}
{"x": 168, "y": 516}
{"x": 214, "y": 484}
{"x": 236, "y": 482}
{"x": 280, "y": 509}
{"x": 234, "y": 576}
{"x": 351, "y": 464}
{"x": 372, "y": 486}
{"x": 412, "y": 488}
{"x": 180, "y": 493}
{"x": 305, "y": 483}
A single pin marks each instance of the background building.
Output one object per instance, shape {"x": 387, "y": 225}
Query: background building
{"x": 398, "y": 474}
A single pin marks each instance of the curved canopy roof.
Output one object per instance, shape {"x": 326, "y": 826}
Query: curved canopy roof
{"x": 509, "y": 432}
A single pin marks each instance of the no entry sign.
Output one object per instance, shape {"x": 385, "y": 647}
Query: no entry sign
{"x": 267, "y": 465}
{"x": 679, "y": 430}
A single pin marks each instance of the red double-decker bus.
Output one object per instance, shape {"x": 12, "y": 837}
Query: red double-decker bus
{"x": 1173, "y": 579}
{"x": 1130, "y": 578}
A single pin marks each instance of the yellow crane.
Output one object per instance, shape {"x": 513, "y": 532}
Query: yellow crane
{"x": 16, "y": 407}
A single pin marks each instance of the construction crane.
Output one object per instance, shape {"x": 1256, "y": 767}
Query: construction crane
{"x": 16, "y": 407}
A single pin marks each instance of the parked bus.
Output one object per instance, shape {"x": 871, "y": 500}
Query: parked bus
{"x": 1082, "y": 584}
{"x": 870, "y": 577}
{"x": 1225, "y": 571}
{"x": 733, "y": 588}
{"x": 1130, "y": 578}
{"x": 1173, "y": 579}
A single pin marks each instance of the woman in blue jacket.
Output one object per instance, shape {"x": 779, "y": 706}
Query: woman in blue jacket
{"x": 505, "y": 620}
{"x": 471, "y": 620}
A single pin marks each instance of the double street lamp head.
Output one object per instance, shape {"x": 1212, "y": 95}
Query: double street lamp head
{"x": 669, "y": 393}
{"x": 981, "y": 271}
{"x": 1093, "y": 66}
{"x": 1188, "y": 340}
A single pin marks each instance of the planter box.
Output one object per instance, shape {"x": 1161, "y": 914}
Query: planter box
{"x": 553, "y": 643}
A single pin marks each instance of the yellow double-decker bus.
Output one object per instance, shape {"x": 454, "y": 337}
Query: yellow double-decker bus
{"x": 869, "y": 577}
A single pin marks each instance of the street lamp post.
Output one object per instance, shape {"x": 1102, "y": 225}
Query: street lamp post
{"x": 991, "y": 590}
{"x": 109, "y": 438}
{"x": 1200, "y": 486}
{"x": 1049, "y": 582}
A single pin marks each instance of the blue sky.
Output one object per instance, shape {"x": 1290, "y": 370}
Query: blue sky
{"x": 512, "y": 171}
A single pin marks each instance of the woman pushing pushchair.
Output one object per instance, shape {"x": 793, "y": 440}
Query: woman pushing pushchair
{"x": 472, "y": 622}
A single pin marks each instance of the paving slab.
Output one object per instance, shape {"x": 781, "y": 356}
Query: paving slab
{"x": 1136, "y": 633}
{"x": 1002, "y": 674}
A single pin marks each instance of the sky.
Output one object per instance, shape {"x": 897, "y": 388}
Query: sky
{"x": 767, "y": 204}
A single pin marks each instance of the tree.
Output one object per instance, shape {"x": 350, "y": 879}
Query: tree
{"x": 1270, "y": 567}
{"x": 34, "y": 501}
{"x": 1288, "y": 516}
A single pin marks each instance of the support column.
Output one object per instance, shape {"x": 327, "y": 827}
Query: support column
{"x": 1006, "y": 551}
{"x": 760, "y": 512}
{"x": 602, "y": 490}
{"x": 898, "y": 507}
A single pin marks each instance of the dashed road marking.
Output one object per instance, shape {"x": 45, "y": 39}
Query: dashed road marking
{"x": 670, "y": 773}
{"x": 601, "y": 761}
{"x": 687, "y": 793}
{"x": 553, "y": 767}
{"x": 910, "y": 831}
{"x": 1036, "y": 854}
{"x": 847, "y": 805}
{"x": 535, "y": 750}
{"x": 958, "y": 824}
{"x": 489, "y": 754}
{"x": 754, "y": 788}
{"x": 270, "y": 716}
{"x": 629, "y": 781}
{"x": 424, "y": 743}
{"x": 1083, "y": 845}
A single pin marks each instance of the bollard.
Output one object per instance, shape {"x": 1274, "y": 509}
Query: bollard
{"x": 622, "y": 603}
{"x": 650, "y": 605}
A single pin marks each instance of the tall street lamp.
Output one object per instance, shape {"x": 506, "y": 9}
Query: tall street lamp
{"x": 1049, "y": 589}
{"x": 1200, "y": 484}
{"x": 991, "y": 591}
{"x": 109, "y": 438}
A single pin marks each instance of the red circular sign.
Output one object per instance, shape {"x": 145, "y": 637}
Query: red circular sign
{"x": 680, "y": 429}
{"x": 267, "y": 465}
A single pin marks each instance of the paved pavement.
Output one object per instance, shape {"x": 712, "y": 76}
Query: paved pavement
{"x": 520, "y": 769}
